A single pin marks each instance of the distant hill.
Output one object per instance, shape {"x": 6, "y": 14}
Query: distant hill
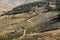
{"x": 25, "y": 8}
{"x": 9, "y": 4}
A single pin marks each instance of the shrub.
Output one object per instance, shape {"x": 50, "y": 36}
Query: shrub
{"x": 58, "y": 15}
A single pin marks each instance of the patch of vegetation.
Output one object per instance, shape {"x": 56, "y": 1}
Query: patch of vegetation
{"x": 10, "y": 36}
{"x": 57, "y": 4}
{"x": 25, "y": 8}
{"x": 58, "y": 15}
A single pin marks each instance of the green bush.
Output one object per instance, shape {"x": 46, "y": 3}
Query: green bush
{"x": 58, "y": 15}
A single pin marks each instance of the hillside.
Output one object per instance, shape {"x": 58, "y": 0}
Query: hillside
{"x": 24, "y": 8}
{"x": 50, "y": 35}
{"x": 40, "y": 24}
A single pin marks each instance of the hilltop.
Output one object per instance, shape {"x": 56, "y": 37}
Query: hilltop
{"x": 25, "y": 8}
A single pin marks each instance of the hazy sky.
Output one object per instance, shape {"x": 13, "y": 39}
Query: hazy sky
{"x": 7, "y": 4}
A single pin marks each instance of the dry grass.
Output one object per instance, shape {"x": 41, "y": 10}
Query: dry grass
{"x": 12, "y": 19}
{"x": 51, "y": 35}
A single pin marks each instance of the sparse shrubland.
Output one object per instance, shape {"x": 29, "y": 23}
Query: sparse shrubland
{"x": 24, "y": 8}
{"x": 58, "y": 15}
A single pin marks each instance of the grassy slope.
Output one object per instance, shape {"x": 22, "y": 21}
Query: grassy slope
{"x": 11, "y": 23}
{"x": 50, "y": 35}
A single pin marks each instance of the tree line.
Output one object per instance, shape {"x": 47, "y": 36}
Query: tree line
{"x": 25, "y": 8}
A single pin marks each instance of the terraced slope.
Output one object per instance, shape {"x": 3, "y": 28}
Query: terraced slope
{"x": 46, "y": 21}
{"x": 12, "y": 21}
{"x": 42, "y": 22}
{"x": 38, "y": 20}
